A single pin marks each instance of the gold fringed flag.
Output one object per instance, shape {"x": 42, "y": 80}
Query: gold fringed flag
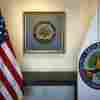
{"x": 11, "y": 80}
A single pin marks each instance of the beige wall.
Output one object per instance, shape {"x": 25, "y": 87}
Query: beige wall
{"x": 87, "y": 8}
{"x": 75, "y": 10}
{"x": 13, "y": 11}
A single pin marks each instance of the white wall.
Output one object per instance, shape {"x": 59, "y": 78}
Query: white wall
{"x": 13, "y": 11}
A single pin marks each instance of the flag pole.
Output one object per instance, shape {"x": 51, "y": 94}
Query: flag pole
{"x": 0, "y": 12}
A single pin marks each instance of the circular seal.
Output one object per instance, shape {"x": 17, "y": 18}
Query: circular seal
{"x": 89, "y": 66}
{"x": 44, "y": 31}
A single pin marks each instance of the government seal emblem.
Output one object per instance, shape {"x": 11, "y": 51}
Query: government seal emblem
{"x": 89, "y": 66}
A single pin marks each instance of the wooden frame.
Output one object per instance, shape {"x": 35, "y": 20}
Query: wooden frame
{"x": 41, "y": 49}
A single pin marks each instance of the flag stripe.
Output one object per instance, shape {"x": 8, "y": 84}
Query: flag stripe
{"x": 2, "y": 97}
{"x": 8, "y": 86}
{"x": 7, "y": 40}
{"x": 10, "y": 78}
{"x": 10, "y": 67}
{"x": 11, "y": 57}
{"x": 5, "y": 93}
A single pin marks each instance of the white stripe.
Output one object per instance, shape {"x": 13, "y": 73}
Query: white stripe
{"x": 11, "y": 58}
{"x": 4, "y": 92}
{"x": 10, "y": 78}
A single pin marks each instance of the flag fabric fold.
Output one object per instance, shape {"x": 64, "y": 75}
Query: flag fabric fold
{"x": 11, "y": 79}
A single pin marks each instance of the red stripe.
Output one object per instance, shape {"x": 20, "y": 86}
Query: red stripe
{"x": 2, "y": 97}
{"x": 11, "y": 68}
{"x": 8, "y": 86}
{"x": 9, "y": 45}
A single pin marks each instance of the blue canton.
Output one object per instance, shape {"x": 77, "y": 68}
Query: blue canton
{"x": 2, "y": 29}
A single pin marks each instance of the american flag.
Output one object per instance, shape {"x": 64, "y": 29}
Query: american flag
{"x": 11, "y": 79}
